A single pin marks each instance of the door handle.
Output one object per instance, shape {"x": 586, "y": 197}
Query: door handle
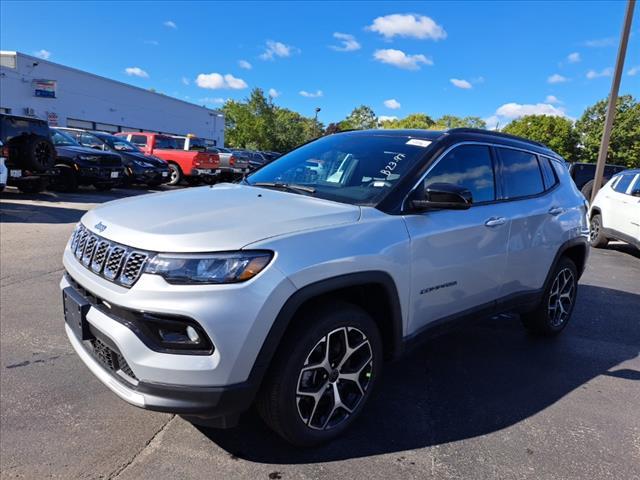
{"x": 495, "y": 221}
{"x": 556, "y": 211}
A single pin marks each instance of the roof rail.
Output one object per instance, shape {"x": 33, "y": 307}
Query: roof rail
{"x": 495, "y": 134}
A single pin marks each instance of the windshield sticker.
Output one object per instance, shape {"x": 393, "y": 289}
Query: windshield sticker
{"x": 391, "y": 166}
{"x": 419, "y": 143}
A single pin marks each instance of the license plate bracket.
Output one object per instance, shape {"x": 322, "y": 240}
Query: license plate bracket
{"x": 75, "y": 313}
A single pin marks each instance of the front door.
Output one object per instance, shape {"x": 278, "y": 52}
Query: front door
{"x": 458, "y": 256}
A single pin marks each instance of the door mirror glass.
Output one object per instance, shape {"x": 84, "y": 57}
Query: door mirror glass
{"x": 443, "y": 196}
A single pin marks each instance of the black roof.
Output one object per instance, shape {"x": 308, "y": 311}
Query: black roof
{"x": 461, "y": 134}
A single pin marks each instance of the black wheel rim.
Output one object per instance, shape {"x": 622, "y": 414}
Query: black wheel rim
{"x": 561, "y": 297}
{"x": 42, "y": 154}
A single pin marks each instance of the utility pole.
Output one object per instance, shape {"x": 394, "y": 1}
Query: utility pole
{"x": 315, "y": 120}
{"x": 613, "y": 98}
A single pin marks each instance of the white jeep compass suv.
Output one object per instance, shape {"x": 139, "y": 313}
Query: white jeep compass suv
{"x": 292, "y": 288}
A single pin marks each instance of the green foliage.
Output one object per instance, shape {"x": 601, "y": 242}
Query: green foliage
{"x": 624, "y": 146}
{"x": 414, "y": 120}
{"x": 361, "y": 118}
{"x": 257, "y": 123}
{"x": 451, "y": 121}
{"x": 557, "y": 133}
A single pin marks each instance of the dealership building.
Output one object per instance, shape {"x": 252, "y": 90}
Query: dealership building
{"x": 68, "y": 97}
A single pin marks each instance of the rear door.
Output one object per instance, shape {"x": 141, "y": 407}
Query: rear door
{"x": 534, "y": 209}
{"x": 623, "y": 207}
{"x": 458, "y": 256}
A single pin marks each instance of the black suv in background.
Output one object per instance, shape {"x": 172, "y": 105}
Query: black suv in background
{"x": 29, "y": 152}
{"x": 583, "y": 173}
{"x": 139, "y": 168}
{"x": 80, "y": 165}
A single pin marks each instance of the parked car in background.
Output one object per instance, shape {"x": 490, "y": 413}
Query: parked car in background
{"x": 615, "y": 212}
{"x": 138, "y": 166}
{"x": 271, "y": 156}
{"x": 190, "y": 165}
{"x": 292, "y": 288}
{"x": 255, "y": 159}
{"x": 28, "y": 151}
{"x": 230, "y": 168}
{"x": 4, "y": 172}
{"x": 78, "y": 165}
{"x": 583, "y": 174}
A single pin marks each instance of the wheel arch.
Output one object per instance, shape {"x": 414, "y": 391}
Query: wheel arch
{"x": 374, "y": 291}
{"x": 577, "y": 250}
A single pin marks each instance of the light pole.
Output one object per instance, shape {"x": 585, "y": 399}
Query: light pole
{"x": 613, "y": 97}
{"x": 315, "y": 121}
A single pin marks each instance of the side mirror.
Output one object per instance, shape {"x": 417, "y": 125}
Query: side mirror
{"x": 635, "y": 192}
{"x": 443, "y": 196}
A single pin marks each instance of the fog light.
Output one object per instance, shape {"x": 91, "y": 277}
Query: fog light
{"x": 192, "y": 334}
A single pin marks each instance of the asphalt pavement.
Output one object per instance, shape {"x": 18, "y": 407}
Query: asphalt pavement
{"x": 486, "y": 401}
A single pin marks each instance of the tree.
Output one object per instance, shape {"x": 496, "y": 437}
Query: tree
{"x": 624, "y": 146}
{"x": 361, "y": 118}
{"x": 557, "y": 133}
{"x": 451, "y": 121}
{"x": 415, "y": 120}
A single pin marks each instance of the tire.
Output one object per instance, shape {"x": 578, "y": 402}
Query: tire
{"x": 31, "y": 186}
{"x": 554, "y": 312}
{"x": 587, "y": 188}
{"x": 38, "y": 154}
{"x": 597, "y": 238}
{"x": 155, "y": 184}
{"x": 193, "y": 181}
{"x": 307, "y": 420}
{"x": 175, "y": 174}
{"x": 67, "y": 181}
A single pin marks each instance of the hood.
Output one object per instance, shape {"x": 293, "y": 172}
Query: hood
{"x": 207, "y": 219}
{"x": 73, "y": 150}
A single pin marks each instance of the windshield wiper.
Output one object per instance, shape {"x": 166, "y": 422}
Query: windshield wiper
{"x": 290, "y": 187}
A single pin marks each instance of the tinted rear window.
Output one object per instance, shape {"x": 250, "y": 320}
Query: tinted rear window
{"x": 521, "y": 174}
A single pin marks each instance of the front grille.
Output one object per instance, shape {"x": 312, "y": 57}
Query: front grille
{"x": 110, "y": 359}
{"x": 115, "y": 262}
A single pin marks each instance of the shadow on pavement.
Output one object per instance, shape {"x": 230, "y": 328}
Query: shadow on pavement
{"x": 30, "y": 213}
{"x": 468, "y": 383}
{"x": 624, "y": 248}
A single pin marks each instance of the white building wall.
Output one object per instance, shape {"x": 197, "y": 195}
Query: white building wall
{"x": 85, "y": 96}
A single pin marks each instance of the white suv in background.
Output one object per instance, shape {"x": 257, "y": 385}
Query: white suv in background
{"x": 293, "y": 287}
{"x": 615, "y": 212}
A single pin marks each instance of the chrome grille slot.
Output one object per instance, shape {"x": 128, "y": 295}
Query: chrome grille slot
{"x": 88, "y": 250}
{"x": 99, "y": 256}
{"x": 114, "y": 261}
{"x": 133, "y": 268}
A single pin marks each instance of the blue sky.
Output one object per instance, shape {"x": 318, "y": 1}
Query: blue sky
{"x": 496, "y": 60}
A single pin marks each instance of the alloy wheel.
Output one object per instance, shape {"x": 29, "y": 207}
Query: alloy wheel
{"x": 594, "y": 230}
{"x": 334, "y": 378}
{"x": 42, "y": 153}
{"x": 174, "y": 175}
{"x": 561, "y": 297}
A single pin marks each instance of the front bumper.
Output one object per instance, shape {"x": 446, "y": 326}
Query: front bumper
{"x": 102, "y": 175}
{"x": 150, "y": 175}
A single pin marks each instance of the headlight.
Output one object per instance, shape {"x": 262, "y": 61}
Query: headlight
{"x": 141, "y": 163}
{"x": 215, "y": 268}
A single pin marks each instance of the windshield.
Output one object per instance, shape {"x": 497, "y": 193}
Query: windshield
{"x": 355, "y": 169}
{"x": 120, "y": 144}
{"x": 61, "y": 139}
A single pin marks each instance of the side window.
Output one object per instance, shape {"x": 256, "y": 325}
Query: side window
{"x": 624, "y": 182}
{"x": 469, "y": 166}
{"x": 548, "y": 174}
{"x": 139, "y": 140}
{"x": 521, "y": 174}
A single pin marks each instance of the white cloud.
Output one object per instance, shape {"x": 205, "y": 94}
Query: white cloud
{"x": 634, "y": 71}
{"x": 136, "y": 72}
{"x": 316, "y": 94}
{"x": 348, "y": 42}
{"x": 461, "y": 83}
{"x": 170, "y": 24}
{"x": 392, "y": 103}
{"x": 185, "y": 81}
{"x": 606, "y": 72}
{"x": 400, "y": 59}
{"x": 210, "y": 100}
{"x": 155, "y": 43}
{"x": 273, "y": 93}
{"x": 493, "y": 122}
{"x": 43, "y": 54}
{"x": 407, "y": 25}
{"x": 276, "y": 49}
{"x": 511, "y": 111}
{"x": 552, "y": 99}
{"x": 600, "y": 42}
{"x": 215, "y": 81}
{"x": 244, "y": 64}
{"x": 573, "y": 57}
{"x": 386, "y": 118}
{"x": 557, "y": 78}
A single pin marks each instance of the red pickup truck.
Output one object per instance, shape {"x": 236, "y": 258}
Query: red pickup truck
{"x": 190, "y": 165}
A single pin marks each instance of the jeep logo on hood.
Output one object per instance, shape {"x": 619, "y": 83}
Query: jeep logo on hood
{"x": 100, "y": 227}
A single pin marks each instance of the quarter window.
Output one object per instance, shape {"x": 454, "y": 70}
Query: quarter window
{"x": 548, "y": 174}
{"x": 624, "y": 182}
{"x": 520, "y": 173}
{"x": 468, "y": 166}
